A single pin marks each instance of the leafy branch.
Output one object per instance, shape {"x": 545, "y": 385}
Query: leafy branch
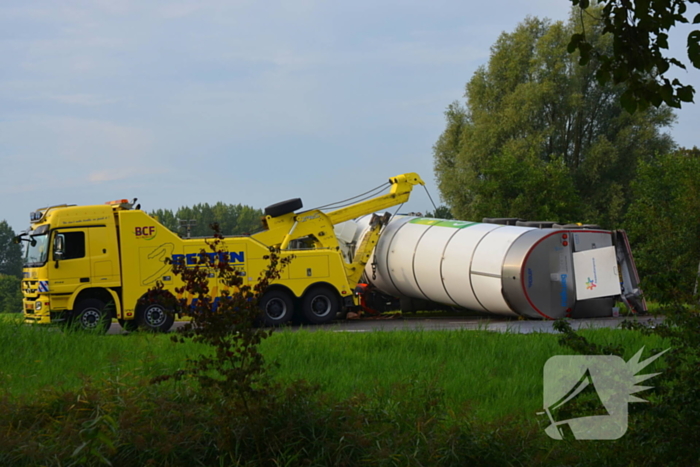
{"x": 639, "y": 31}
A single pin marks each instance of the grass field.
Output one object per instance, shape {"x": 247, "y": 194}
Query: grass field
{"x": 36, "y": 358}
{"x": 496, "y": 374}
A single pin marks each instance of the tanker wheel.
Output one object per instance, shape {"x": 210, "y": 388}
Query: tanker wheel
{"x": 90, "y": 315}
{"x": 320, "y": 305}
{"x": 277, "y": 308}
{"x": 129, "y": 325}
{"x": 155, "y": 317}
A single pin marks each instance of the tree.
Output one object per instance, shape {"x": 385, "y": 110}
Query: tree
{"x": 10, "y": 294}
{"x": 10, "y": 253}
{"x": 639, "y": 33}
{"x": 539, "y": 138}
{"x": 233, "y": 219}
{"x": 663, "y": 223}
{"x": 441, "y": 212}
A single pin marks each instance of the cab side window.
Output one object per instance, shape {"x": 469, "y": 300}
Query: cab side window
{"x": 74, "y": 246}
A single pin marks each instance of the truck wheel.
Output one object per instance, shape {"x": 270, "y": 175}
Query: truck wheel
{"x": 277, "y": 308}
{"x": 90, "y": 315}
{"x": 155, "y": 317}
{"x": 129, "y": 325}
{"x": 320, "y": 305}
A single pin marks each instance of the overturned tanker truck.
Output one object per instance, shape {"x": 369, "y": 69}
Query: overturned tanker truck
{"x": 505, "y": 267}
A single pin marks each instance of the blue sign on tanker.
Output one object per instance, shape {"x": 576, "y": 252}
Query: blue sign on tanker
{"x": 564, "y": 293}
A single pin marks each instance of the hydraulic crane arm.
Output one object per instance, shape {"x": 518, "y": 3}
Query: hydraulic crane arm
{"x": 285, "y": 228}
{"x": 401, "y": 187}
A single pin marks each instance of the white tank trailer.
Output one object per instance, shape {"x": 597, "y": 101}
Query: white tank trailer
{"x": 502, "y": 269}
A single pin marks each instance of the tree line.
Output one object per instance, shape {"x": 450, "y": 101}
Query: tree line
{"x": 233, "y": 219}
{"x": 10, "y": 271}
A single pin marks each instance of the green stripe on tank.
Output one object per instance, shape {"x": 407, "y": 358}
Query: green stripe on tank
{"x": 442, "y": 223}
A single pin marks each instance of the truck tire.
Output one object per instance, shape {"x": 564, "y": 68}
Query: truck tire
{"x": 283, "y": 207}
{"x": 90, "y": 315}
{"x": 129, "y": 325}
{"x": 320, "y": 305}
{"x": 277, "y": 308}
{"x": 155, "y": 317}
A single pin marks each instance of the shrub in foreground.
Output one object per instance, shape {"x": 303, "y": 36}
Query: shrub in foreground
{"x": 140, "y": 424}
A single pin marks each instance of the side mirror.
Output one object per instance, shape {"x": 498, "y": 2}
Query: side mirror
{"x": 17, "y": 240}
{"x": 58, "y": 246}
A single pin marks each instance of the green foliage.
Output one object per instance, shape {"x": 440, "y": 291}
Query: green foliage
{"x": 124, "y": 423}
{"x": 10, "y": 294}
{"x": 664, "y": 430}
{"x": 233, "y": 219}
{"x": 10, "y": 253}
{"x": 441, "y": 212}
{"x": 669, "y": 427}
{"x": 540, "y": 138}
{"x": 225, "y": 321}
{"x": 638, "y": 59}
{"x": 663, "y": 225}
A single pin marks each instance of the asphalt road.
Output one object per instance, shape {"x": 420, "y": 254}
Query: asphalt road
{"x": 443, "y": 323}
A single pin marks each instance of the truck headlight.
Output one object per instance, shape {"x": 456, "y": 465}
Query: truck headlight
{"x": 37, "y": 305}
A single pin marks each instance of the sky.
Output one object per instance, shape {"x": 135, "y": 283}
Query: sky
{"x": 183, "y": 102}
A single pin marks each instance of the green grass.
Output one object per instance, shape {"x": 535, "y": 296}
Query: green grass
{"x": 383, "y": 398}
{"x": 35, "y": 358}
{"x": 11, "y": 318}
{"x": 496, "y": 374}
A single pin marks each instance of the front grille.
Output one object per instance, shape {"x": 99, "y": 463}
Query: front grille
{"x": 29, "y": 287}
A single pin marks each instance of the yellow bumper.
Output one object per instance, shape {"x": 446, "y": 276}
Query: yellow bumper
{"x": 37, "y": 319}
{"x": 33, "y": 316}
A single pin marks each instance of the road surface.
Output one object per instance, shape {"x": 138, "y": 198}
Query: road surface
{"x": 443, "y": 323}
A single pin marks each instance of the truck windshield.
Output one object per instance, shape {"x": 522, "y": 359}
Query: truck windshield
{"x": 37, "y": 251}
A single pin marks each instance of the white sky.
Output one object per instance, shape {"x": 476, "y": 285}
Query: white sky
{"x": 185, "y": 102}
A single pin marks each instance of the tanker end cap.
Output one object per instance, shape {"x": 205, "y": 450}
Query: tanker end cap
{"x": 411, "y": 177}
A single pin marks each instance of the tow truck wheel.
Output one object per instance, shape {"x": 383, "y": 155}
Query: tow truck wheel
{"x": 320, "y": 305}
{"x": 90, "y": 315}
{"x": 155, "y": 317}
{"x": 277, "y": 308}
{"x": 129, "y": 325}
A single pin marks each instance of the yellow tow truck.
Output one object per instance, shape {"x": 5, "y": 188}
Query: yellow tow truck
{"x": 85, "y": 265}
